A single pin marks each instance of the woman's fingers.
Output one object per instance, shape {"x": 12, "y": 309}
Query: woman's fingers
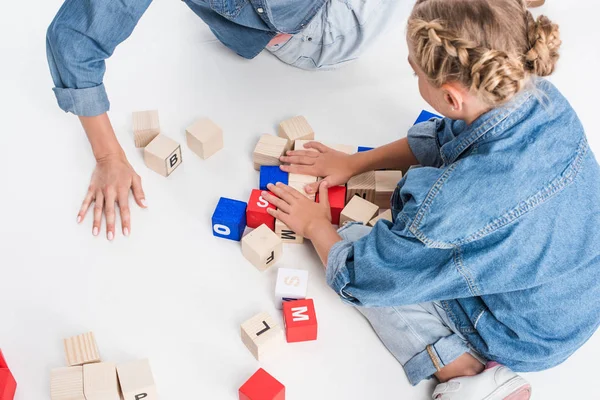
{"x": 138, "y": 192}
{"x": 277, "y": 202}
{"x": 85, "y": 205}
{"x": 109, "y": 212}
{"x": 123, "y": 198}
{"x": 98, "y": 207}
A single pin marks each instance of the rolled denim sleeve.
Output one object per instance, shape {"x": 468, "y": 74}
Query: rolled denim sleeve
{"x": 423, "y": 141}
{"x": 81, "y": 37}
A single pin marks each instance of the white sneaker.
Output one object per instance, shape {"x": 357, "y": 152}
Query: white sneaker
{"x": 495, "y": 383}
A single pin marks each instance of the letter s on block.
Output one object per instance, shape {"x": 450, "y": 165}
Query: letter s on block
{"x": 222, "y": 229}
{"x": 262, "y": 203}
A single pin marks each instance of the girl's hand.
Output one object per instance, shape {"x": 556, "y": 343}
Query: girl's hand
{"x": 334, "y": 166}
{"x": 300, "y": 214}
{"x": 111, "y": 181}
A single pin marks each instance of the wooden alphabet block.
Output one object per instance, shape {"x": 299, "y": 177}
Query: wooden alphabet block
{"x": 256, "y": 213}
{"x": 268, "y": 150}
{"x": 362, "y": 185}
{"x": 299, "y": 145}
{"x": 358, "y": 210}
{"x": 362, "y": 149}
{"x": 286, "y": 234}
{"x": 162, "y": 155}
{"x": 344, "y": 148}
{"x": 299, "y": 178}
{"x": 296, "y": 128}
{"x": 204, "y": 138}
{"x": 262, "y": 247}
{"x": 81, "y": 349}
{"x": 299, "y": 186}
{"x": 385, "y": 184}
{"x": 386, "y": 216}
{"x": 100, "y": 382}
{"x": 272, "y": 174}
{"x": 337, "y": 202}
{"x": 145, "y": 127}
{"x": 262, "y": 386}
{"x": 137, "y": 382}
{"x": 426, "y": 116}
{"x": 8, "y": 384}
{"x": 67, "y": 383}
{"x": 292, "y": 284}
{"x": 229, "y": 219}
{"x": 300, "y": 321}
{"x": 261, "y": 334}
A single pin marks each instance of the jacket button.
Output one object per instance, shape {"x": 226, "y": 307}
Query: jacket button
{"x": 260, "y": 10}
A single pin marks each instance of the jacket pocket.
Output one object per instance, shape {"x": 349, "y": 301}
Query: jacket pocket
{"x": 228, "y": 8}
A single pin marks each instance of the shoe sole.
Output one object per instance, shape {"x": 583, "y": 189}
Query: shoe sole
{"x": 516, "y": 388}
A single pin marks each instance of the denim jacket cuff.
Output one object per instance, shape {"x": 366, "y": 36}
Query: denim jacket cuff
{"x": 88, "y": 102}
{"x": 338, "y": 274}
{"x": 423, "y": 143}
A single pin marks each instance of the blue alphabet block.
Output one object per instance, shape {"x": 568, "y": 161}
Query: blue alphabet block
{"x": 426, "y": 116}
{"x": 272, "y": 175}
{"x": 361, "y": 149}
{"x": 229, "y": 219}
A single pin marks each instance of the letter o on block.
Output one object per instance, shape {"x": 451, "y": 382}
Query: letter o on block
{"x": 222, "y": 230}
{"x": 229, "y": 219}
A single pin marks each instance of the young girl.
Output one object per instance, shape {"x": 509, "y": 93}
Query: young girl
{"x": 492, "y": 261}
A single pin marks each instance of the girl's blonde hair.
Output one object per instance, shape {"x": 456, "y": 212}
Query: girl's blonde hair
{"x": 490, "y": 46}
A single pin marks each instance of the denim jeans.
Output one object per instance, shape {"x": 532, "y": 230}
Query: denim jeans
{"x": 421, "y": 336}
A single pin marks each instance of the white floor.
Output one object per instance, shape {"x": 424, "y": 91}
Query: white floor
{"x": 172, "y": 292}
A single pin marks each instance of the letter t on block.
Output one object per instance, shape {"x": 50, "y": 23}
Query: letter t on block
{"x": 262, "y": 386}
{"x": 300, "y": 321}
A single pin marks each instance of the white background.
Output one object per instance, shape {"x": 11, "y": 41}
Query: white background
{"x": 172, "y": 292}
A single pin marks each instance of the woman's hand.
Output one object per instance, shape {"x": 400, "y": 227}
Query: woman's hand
{"x": 111, "y": 181}
{"x": 319, "y": 160}
{"x": 299, "y": 213}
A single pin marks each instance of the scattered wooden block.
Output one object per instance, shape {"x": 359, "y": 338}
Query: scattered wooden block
{"x": 145, "y": 127}
{"x": 344, "y": 148}
{"x": 204, "y": 138}
{"x": 268, "y": 150}
{"x": 337, "y": 202}
{"x": 300, "y": 321}
{"x": 299, "y": 178}
{"x": 296, "y": 128}
{"x": 362, "y": 149}
{"x": 272, "y": 174}
{"x": 261, "y": 334}
{"x": 67, "y": 383}
{"x": 299, "y": 186}
{"x": 162, "y": 155}
{"x": 262, "y": 386}
{"x": 358, "y": 210}
{"x": 286, "y": 234}
{"x": 262, "y": 247}
{"x": 229, "y": 219}
{"x": 386, "y": 216}
{"x": 81, "y": 349}
{"x": 100, "y": 382}
{"x": 137, "y": 382}
{"x": 8, "y": 384}
{"x": 362, "y": 185}
{"x": 425, "y": 116}
{"x": 299, "y": 145}
{"x": 385, "y": 184}
{"x": 256, "y": 213}
{"x": 292, "y": 284}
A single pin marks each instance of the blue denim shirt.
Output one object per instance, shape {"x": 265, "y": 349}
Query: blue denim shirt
{"x": 501, "y": 223}
{"x": 85, "y": 33}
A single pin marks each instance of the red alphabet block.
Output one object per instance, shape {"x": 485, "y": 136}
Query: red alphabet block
{"x": 262, "y": 386}
{"x": 337, "y": 202}
{"x": 300, "y": 320}
{"x": 256, "y": 213}
{"x": 8, "y": 385}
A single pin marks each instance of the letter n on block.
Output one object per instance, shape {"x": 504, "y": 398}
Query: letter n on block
{"x": 300, "y": 321}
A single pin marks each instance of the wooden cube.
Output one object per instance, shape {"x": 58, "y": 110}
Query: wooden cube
{"x": 67, "y": 383}
{"x": 385, "y": 184}
{"x": 137, "y": 382}
{"x": 268, "y": 150}
{"x": 299, "y": 186}
{"x": 204, "y": 138}
{"x": 100, "y": 382}
{"x": 386, "y": 216}
{"x": 81, "y": 349}
{"x": 256, "y": 213}
{"x": 299, "y": 178}
{"x": 145, "y": 127}
{"x": 337, "y": 202}
{"x": 299, "y": 145}
{"x": 292, "y": 284}
{"x": 262, "y": 386}
{"x": 358, "y": 210}
{"x": 162, "y": 155}
{"x": 286, "y": 234}
{"x": 272, "y": 174}
{"x": 262, "y": 247}
{"x": 229, "y": 219}
{"x": 300, "y": 321}
{"x": 344, "y": 148}
{"x": 362, "y": 185}
{"x": 296, "y": 128}
{"x": 261, "y": 334}
{"x": 8, "y": 384}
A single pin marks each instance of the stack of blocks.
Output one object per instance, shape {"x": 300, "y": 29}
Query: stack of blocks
{"x": 86, "y": 378}
{"x": 8, "y": 384}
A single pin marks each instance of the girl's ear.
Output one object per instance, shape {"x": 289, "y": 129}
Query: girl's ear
{"x": 453, "y": 96}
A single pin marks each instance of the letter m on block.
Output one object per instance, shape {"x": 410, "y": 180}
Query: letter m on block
{"x": 300, "y": 314}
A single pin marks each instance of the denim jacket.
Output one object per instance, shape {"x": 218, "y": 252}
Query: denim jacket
{"x": 85, "y": 33}
{"x": 501, "y": 223}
